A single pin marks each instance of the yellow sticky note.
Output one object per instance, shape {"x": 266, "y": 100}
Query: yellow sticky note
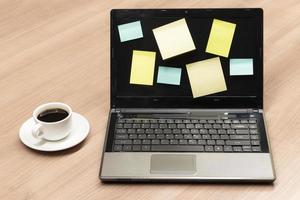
{"x": 142, "y": 67}
{"x": 220, "y": 38}
{"x": 174, "y": 39}
{"x": 206, "y": 77}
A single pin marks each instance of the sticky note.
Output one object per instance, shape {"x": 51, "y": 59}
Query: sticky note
{"x": 206, "y": 77}
{"x": 169, "y": 75}
{"x": 130, "y": 31}
{"x": 220, "y": 38}
{"x": 174, "y": 39}
{"x": 241, "y": 66}
{"x": 142, "y": 67}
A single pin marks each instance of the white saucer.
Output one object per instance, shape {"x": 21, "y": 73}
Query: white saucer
{"x": 80, "y": 131}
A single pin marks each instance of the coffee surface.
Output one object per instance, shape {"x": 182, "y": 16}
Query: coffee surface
{"x": 53, "y": 115}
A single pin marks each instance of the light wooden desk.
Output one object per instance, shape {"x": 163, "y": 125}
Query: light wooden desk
{"x": 59, "y": 51}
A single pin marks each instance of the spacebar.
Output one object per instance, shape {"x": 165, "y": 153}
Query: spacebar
{"x": 177, "y": 148}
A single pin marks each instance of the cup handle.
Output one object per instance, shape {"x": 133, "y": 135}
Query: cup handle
{"x": 36, "y": 131}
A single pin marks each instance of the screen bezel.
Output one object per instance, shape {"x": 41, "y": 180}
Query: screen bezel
{"x": 181, "y": 102}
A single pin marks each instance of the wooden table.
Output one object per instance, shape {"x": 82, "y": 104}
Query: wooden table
{"x": 59, "y": 51}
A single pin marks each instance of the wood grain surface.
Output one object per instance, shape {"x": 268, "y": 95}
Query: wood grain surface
{"x": 58, "y": 50}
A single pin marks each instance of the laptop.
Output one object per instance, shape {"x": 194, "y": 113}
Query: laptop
{"x": 186, "y": 99}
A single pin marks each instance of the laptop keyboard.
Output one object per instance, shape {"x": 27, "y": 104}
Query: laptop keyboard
{"x": 186, "y": 135}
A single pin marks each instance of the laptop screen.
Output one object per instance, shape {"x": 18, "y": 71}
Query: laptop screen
{"x": 215, "y": 60}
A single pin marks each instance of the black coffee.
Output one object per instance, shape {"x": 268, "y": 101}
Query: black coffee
{"x": 53, "y": 115}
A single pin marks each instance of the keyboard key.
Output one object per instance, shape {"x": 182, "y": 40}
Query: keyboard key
{"x": 127, "y": 125}
{"x": 178, "y": 136}
{"x": 202, "y": 121}
{"x": 186, "y": 131}
{"x": 252, "y": 126}
{"x": 137, "y": 121}
{"x": 224, "y": 137}
{"x": 158, "y": 131}
{"x": 129, "y": 121}
{"x": 205, "y": 137}
{"x": 172, "y": 126}
{"x": 132, "y": 136}
{"x": 212, "y": 131}
{"x": 127, "y": 148}
{"x": 188, "y": 136}
{"x": 163, "y": 125}
{"x": 182, "y": 141}
{"x": 198, "y": 126}
{"x": 173, "y": 141}
{"x": 237, "y": 149}
{"x": 169, "y": 136}
{"x": 121, "y": 131}
{"x": 121, "y": 136}
{"x": 203, "y": 131}
{"x": 207, "y": 126}
{"x": 150, "y": 136}
{"x": 136, "y": 148}
{"x": 222, "y": 131}
{"x": 146, "y": 147}
{"x": 145, "y": 125}
{"x": 210, "y": 142}
{"x": 256, "y": 148}
{"x": 136, "y": 126}
{"x": 160, "y": 136}
{"x": 196, "y": 136}
{"x": 178, "y": 121}
{"x": 167, "y": 131}
{"x": 252, "y": 121}
{"x": 215, "y": 137}
{"x": 211, "y": 121}
{"x": 225, "y": 126}
{"x": 237, "y": 142}
{"x": 131, "y": 130}
{"x": 186, "y": 121}
{"x": 186, "y": 148}
{"x": 162, "y": 121}
{"x": 194, "y": 121}
{"x": 253, "y": 131}
{"x": 194, "y": 131}
{"x": 241, "y": 126}
{"x": 170, "y": 121}
{"x": 140, "y": 131}
{"x": 192, "y": 141}
{"x": 181, "y": 126}
{"x": 209, "y": 148}
{"x": 155, "y": 141}
{"x": 218, "y": 148}
{"x": 247, "y": 148}
{"x": 126, "y": 141}
{"x": 164, "y": 142}
{"x": 202, "y": 142}
{"x": 230, "y": 131}
{"x": 190, "y": 126}
{"x": 117, "y": 147}
{"x": 239, "y": 137}
{"x": 153, "y": 125}
{"x": 145, "y": 141}
{"x": 255, "y": 142}
{"x": 176, "y": 131}
{"x": 242, "y": 131}
{"x": 254, "y": 137}
{"x": 142, "y": 136}
{"x": 220, "y": 142}
{"x": 121, "y": 120}
{"x": 137, "y": 141}
{"x": 227, "y": 148}
{"x": 119, "y": 126}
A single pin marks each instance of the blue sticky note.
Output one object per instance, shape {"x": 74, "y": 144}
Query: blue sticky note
{"x": 169, "y": 75}
{"x": 241, "y": 66}
{"x": 130, "y": 31}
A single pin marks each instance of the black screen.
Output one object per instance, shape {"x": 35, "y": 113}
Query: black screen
{"x": 246, "y": 43}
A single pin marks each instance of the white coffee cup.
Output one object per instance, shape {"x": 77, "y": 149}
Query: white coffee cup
{"x": 52, "y": 131}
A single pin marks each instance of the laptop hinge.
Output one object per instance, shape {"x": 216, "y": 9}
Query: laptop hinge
{"x": 121, "y": 110}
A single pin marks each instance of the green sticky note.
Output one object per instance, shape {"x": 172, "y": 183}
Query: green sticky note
{"x": 169, "y": 75}
{"x": 241, "y": 66}
{"x": 220, "y": 38}
{"x": 130, "y": 31}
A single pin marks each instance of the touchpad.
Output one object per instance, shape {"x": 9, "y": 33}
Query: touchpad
{"x": 172, "y": 164}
